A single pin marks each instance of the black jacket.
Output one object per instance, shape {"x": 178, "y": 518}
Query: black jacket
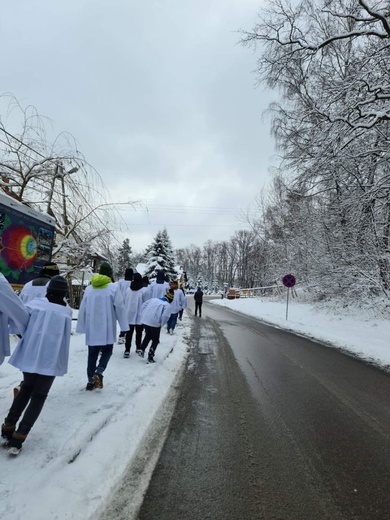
{"x": 198, "y": 296}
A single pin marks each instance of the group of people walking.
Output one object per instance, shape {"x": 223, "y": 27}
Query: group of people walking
{"x": 42, "y": 319}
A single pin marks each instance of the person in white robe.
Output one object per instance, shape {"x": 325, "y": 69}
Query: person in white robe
{"x": 158, "y": 287}
{"x": 185, "y": 303}
{"x": 155, "y": 313}
{"x": 135, "y": 297}
{"x": 41, "y": 354}
{"x": 12, "y": 312}
{"x": 124, "y": 286}
{"x": 37, "y": 288}
{"x": 179, "y": 302}
{"x": 101, "y": 307}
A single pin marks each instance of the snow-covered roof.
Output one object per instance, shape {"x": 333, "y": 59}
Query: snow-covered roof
{"x": 141, "y": 268}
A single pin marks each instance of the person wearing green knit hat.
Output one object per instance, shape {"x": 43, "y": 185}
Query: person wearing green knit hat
{"x": 106, "y": 270}
{"x": 101, "y": 307}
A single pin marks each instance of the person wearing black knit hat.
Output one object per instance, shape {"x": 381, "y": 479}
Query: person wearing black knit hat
{"x": 155, "y": 313}
{"x": 37, "y": 287}
{"x": 41, "y": 357}
{"x": 159, "y": 286}
{"x": 49, "y": 269}
{"x": 135, "y": 297}
{"x": 57, "y": 290}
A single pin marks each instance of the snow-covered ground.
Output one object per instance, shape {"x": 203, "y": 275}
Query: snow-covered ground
{"x": 83, "y": 442}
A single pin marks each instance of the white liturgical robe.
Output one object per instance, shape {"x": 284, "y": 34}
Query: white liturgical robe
{"x": 12, "y": 312}
{"x": 44, "y": 347}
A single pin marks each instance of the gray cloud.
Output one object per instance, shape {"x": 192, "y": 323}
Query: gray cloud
{"x": 160, "y": 98}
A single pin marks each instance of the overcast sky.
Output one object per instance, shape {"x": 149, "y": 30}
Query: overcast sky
{"x": 160, "y": 98}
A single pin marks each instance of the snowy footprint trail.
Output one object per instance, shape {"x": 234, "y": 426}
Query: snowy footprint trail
{"x": 83, "y": 441}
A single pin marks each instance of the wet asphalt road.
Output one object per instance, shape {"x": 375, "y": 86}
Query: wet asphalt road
{"x": 269, "y": 425}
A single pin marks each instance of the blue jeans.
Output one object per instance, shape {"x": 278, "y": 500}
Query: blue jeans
{"x": 93, "y": 354}
{"x": 172, "y": 321}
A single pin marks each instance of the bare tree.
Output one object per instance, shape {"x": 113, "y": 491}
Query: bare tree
{"x": 54, "y": 178}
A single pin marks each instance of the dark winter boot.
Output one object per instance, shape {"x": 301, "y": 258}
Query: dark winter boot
{"x": 98, "y": 380}
{"x": 7, "y": 430}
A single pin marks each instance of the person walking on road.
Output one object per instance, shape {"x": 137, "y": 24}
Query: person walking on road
{"x": 124, "y": 286}
{"x": 180, "y": 315}
{"x": 41, "y": 354}
{"x": 155, "y": 313}
{"x": 198, "y": 297}
{"x": 159, "y": 286}
{"x": 101, "y": 307}
{"x": 179, "y": 302}
{"x": 135, "y": 298}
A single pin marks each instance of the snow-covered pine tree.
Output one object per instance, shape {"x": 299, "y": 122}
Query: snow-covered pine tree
{"x": 124, "y": 258}
{"x": 161, "y": 256}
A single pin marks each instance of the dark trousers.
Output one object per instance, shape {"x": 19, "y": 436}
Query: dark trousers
{"x": 198, "y": 307}
{"x": 93, "y": 366}
{"x": 152, "y": 334}
{"x": 138, "y": 336}
{"x": 32, "y": 394}
{"x": 172, "y": 321}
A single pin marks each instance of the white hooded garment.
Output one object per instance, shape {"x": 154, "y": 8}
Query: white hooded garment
{"x": 12, "y": 312}
{"x": 44, "y": 347}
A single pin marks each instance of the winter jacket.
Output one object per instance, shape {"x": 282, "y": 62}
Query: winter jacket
{"x": 12, "y": 311}
{"x": 101, "y": 307}
{"x": 44, "y": 347}
{"x": 155, "y": 312}
{"x": 198, "y": 296}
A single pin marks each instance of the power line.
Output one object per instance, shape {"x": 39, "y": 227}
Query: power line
{"x": 189, "y": 225}
{"x": 212, "y": 210}
{"x": 22, "y": 143}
